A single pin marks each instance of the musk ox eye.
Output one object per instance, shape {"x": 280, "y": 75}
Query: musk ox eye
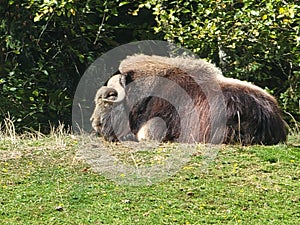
{"x": 107, "y": 96}
{"x": 111, "y": 95}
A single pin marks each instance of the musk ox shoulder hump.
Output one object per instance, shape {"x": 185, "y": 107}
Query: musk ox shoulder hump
{"x": 199, "y": 69}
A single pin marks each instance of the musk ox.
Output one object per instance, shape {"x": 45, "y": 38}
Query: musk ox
{"x": 184, "y": 100}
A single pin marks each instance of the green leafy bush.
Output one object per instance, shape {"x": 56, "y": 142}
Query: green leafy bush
{"x": 47, "y": 45}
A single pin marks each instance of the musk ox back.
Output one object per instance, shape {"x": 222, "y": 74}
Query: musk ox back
{"x": 184, "y": 100}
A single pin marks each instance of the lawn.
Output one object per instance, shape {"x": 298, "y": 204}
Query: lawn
{"x": 44, "y": 181}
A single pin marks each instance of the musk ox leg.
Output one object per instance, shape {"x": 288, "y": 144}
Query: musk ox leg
{"x": 154, "y": 129}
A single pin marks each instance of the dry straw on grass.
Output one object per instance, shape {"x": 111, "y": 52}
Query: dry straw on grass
{"x": 14, "y": 145}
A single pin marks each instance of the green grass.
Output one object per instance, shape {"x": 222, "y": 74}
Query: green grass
{"x": 44, "y": 182}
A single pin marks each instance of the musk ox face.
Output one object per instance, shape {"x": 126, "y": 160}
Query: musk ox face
{"x": 178, "y": 105}
{"x": 105, "y": 99}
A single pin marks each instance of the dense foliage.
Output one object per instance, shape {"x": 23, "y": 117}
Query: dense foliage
{"x": 46, "y": 45}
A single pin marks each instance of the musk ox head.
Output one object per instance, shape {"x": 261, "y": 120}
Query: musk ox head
{"x": 106, "y": 97}
{"x": 141, "y": 102}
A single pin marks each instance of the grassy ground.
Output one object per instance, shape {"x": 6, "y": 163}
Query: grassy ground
{"x": 44, "y": 182}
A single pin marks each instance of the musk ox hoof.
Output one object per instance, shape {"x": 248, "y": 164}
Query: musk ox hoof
{"x": 128, "y": 137}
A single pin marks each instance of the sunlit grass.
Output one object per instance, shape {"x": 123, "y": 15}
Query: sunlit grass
{"x": 44, "y": 182}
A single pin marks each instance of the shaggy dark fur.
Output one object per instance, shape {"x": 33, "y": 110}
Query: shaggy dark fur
{"x": 223, "y": 110}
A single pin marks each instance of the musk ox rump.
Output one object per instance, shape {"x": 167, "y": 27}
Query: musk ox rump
{"x": 184, "y": 100}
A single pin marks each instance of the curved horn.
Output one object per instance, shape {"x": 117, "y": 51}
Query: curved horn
{"x": 117, "y": 83}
